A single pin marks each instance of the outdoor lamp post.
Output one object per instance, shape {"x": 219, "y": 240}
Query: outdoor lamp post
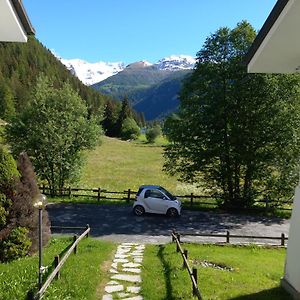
{"x": 39, "y": 203}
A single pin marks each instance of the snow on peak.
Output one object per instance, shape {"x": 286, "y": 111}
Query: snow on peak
{"x": 90, "y": 73}
{"x": 176, "y": 62}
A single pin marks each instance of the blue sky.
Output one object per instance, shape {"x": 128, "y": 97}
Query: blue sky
{"x": 132, "y": 30}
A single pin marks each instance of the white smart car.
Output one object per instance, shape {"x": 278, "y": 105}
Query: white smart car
{"x": 156, "y": 199}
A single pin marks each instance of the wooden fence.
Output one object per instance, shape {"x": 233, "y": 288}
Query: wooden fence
{"x": 59, "y": 262}
{"x": 129, "y": 195}
{"x": 192, "y": 272}
{"x": 228, "y": 236}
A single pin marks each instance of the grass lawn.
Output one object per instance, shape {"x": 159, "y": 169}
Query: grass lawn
{"x": 252, "y": 272}
{"x": 81, "y": 276}
{"x": 118, "y": 165}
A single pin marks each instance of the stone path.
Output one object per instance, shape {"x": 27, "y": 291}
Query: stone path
{"x": 125, "y": 273}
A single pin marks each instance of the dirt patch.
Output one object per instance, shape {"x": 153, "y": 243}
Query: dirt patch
{"x": 105, "y": 267}
{"x": 209, "y": 264}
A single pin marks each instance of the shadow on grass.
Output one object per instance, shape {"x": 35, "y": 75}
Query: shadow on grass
{"x": 277, "y": 293}
{"x": 167, "y": 272}
{"x": 34, "y": 289}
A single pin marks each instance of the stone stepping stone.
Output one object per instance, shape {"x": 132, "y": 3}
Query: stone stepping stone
{"x": 123, "y": 295}
{"x": 126, "y": 277}
{"x": 114, "y": 265}
{"x": 114, "y": 271}
{"x": 133, "y": 289}
{"x": 131, "y": 265}
{"x": 121, "y": 260}
{"x": 112, "y": 282}
{"x": 132, "y": 270}
{"x": 121, "y": 255}
{"x": 134, "y": 298}
{"x": 107, "y": 297}
{"x": 114, "y": 288}
{"x": 137, "y": 259}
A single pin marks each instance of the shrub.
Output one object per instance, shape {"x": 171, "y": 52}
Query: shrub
{"x": 153, "y": 133}
{"x": 16, "y": 245}
{"x": 130, "y": 130}
{"x": 8, "y": 167}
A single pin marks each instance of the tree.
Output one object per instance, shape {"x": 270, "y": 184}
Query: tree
{"x": 153, "y": 133}
{"x": 124, "y": 113}
{"x": 130, "y": 130}
{"x": 109, "y": 119}
{"x": 7, "y": 106}
{"x": 18, "y": 217}
{"x": 54, "y": 130}
{"x": 238, "y": 132}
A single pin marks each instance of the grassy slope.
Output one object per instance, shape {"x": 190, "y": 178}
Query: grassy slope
{"x": 118, "y": 165}
{"x": 256, "y": 274}
{"x": 81, "y": 275}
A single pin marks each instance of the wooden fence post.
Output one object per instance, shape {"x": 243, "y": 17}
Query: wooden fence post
{"x": 173, "y": 233}
{"x": 177, "y": 244}
{"x": 227, "y": 237}
{"x": 196, "y": 280}
{"x": 99, "y": 194}
{"x": 185, "y": 253}
{"x": 70, "y": 191}
{"x": 43, "y": 189}
{"x": 192, "y": 199}
{"x": 87, "y": 227}
{"x": 74, "y": 240}
{"x": 282, "y": 239}
{"x": 267, "y": 204}
{"x": 56, "y": 262}
{"x": 128, "y": 195}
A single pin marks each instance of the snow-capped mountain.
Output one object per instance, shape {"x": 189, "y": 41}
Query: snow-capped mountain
{"x": 91, "y": 73}
{"x": 174, "y": 63}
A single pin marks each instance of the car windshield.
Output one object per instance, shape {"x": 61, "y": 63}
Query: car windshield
{"x": 168, "y": 194}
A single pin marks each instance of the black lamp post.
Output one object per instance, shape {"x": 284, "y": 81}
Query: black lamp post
{"x": 39, "y": 203}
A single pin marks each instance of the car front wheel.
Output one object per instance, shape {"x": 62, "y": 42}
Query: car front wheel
{"x": 139, "y": 210}
{"x": 172, "y": 212}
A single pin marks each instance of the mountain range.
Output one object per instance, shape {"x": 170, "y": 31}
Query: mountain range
{"x": 152, "y": 88}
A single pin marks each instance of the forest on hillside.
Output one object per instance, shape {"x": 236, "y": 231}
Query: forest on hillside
{"x": 20, "y": 66}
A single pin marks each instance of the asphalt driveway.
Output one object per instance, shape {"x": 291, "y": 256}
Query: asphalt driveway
{"x": 117, "y": 223}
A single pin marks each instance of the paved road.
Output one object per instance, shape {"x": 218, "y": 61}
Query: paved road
{"x": 117, "y": 223}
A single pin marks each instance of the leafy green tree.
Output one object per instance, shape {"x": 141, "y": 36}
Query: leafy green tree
{"x": 124, "y": 113}
{"x": 130, "y": 130}
{"x": 53, "y": 130}
{"x": 238, "y": 132}
{"x": 153, "y": 133}
{"x": 110, "y": 119}
{"x": 7, "y": 106}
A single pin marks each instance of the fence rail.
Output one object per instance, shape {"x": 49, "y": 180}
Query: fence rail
{"x": 129, "y": 195}
{"x": 227, "y": 236}
{"x": 192, "y": 272}
{"x": 60, "y": 262}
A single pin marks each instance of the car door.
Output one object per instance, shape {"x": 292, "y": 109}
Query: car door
{"x": 156, "y": 201}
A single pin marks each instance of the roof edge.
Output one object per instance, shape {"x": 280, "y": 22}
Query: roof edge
{"x": 21, "y": 12}
{"x": 272, "y": 18}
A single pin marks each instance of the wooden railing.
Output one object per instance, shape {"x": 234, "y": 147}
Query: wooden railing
{"x": 192, "y": 272}
{"x": 227, "y": 236}
{"x": 59, "y": 262}
{"x": 129, "y": 195}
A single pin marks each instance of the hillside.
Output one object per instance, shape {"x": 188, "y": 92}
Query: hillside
{"x": 151, "y": 90}
{"x": 20, "y": 65}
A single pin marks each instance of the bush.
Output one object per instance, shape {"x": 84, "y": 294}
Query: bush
{"x": 8, "y": 167}
{"x": 130, "y": 130}
{"x": 16, "y": 245}
{"x": 153, "y": 133}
